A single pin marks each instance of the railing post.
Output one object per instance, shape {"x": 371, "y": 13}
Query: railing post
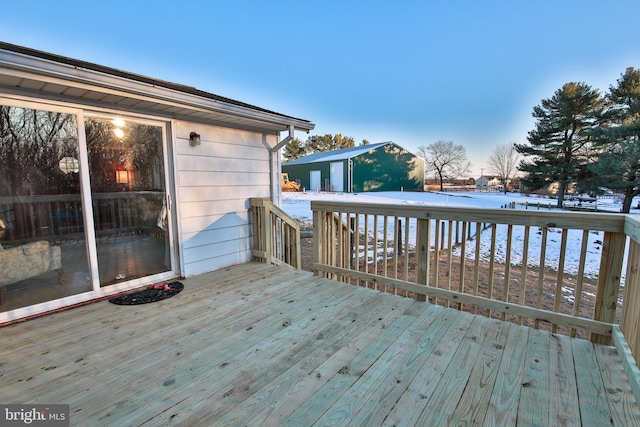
{"x": 318, "y": 239}
{"x": 268, "y": 231}
{"x": 609, "y": 281}
{"x": 295, "y": 238}
{"x": 423, "y": 255}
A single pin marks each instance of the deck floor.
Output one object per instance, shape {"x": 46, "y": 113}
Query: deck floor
{"x": 259, "y": 345}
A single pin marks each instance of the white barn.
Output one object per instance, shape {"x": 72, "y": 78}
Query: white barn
{"x": 116, "y": 180}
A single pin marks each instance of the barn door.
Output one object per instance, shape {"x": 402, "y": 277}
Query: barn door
{"x": 315, "y": 179}
{"x": 337, "y": 176}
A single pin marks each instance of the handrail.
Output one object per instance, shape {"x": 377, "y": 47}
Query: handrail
{"x": 579, "y": 220}
{"x": 464, "y": 266}
{"x": 276, "y": 235}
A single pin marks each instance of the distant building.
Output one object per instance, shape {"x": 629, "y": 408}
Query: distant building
{"x": 482, "y": 183}
{"x": 376, "y": 167}
{"x": 490, "y": 183}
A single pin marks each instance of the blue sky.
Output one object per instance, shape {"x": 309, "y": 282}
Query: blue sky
{"x": 412, "y": 72}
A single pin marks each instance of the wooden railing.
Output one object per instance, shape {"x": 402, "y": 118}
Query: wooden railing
{"x": 276, "y": 236}
{"x": 519, "y": 268}
{"x": 630, "y": 323}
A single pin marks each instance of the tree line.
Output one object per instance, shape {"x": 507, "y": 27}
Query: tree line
{"x": 316, "y": 144}
{"x": 581, "y": 138}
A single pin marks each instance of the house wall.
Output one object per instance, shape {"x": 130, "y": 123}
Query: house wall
{"x": 388, "y": 168}
{"x": 214, "y": 182}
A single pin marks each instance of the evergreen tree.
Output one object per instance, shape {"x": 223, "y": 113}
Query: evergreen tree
{"x": 294, "y": 150}
{"x": 618, "y": 165}
{"x": 560, "y": 146}
{"x": 328, "y": 142}
{"x": 343, "y": 141}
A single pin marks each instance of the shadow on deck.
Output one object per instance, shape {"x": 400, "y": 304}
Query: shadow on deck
{"x": 256, "y": 344}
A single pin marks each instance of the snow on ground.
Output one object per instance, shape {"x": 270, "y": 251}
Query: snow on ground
{"x": 298, "y": 205}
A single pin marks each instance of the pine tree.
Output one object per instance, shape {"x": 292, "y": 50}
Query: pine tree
{"x": 294, "y": 150}
{"x": 560, "y": 145}
{"x": 618, "y": 165}
{"x": 328, "y": 142}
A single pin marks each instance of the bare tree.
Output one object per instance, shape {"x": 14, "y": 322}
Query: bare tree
{"x": 446, "y": 159}
{"x": 503, "y": 162}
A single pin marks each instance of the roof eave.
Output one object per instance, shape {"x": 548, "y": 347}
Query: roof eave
{"x": 61, "y": 70}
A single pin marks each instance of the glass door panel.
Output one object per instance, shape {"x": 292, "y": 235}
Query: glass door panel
{"x": 126, "y": 167}
{"x": 43, "y": 253}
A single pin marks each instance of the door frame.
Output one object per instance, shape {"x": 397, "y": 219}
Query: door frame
{"x": 88, "y": 206}
{"x": 98, "y": 292}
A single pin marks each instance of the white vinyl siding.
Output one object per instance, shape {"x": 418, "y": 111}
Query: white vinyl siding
{"x": 214, "y": 182}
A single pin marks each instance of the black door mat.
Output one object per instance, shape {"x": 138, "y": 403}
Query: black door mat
{"x": 152, "y": 294}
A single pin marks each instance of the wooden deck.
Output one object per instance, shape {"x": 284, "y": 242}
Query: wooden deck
{"x": 260, "y": 345}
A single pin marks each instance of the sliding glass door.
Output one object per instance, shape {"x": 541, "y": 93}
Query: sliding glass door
{"x": 43, "y": 254}
{"x": 128, "y": 192}
{"x": 83, "y": 205}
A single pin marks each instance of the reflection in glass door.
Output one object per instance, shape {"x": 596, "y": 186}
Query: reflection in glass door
{"x": 126, "y": 167}
{"x": 43, "y": 252}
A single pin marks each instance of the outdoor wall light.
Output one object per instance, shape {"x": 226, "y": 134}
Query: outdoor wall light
{"x": 194, "y": 139}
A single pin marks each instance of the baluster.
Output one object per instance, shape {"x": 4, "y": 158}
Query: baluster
{"x": 523, "y": 280}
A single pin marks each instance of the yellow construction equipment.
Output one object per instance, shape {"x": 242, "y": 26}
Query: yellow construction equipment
{"x": 288, "y": 185}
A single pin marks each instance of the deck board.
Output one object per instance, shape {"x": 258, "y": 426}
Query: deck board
{"x": 503, "y": 403}
{"x": 240, "y": 339}
{"x": 563, "y": 403}
{"x": 594, "y": 408}
{"x": 423, "y": 386}
{"x": 456, "y": 384}
{"x": 383, "y": 382}
{"x": 295, "y": 384}
{"x": 261, "y": 345}
{"x": 533, "y": 408}
{"x": 473, "y": 404}
{"x": 623, "y": 406}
